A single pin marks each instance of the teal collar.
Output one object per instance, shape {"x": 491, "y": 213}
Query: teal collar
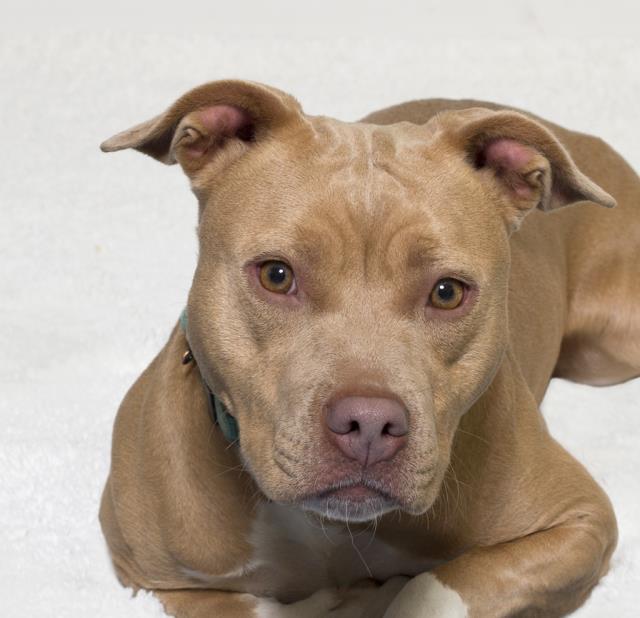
{"x": 217, "y": 410}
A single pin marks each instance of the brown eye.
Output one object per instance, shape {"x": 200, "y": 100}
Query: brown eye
{"x": 447, "y": 294}
{"x": 275, "y": 276}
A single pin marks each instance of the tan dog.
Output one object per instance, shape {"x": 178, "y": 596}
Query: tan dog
{"x": 382, "y": 337}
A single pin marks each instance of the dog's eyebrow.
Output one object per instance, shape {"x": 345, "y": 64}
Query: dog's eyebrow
{"x": 321, "y": 239}
{"x": 435, "y": 258}
{"x": 424, "y": 253}
{"x": 420, "y": 245}
{"x": 413, "y": 247}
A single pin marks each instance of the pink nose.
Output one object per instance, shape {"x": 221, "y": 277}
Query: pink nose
{"x": 368, "y": 429}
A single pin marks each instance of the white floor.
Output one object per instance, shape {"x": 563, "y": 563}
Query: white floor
{"x": 97, "y": 252}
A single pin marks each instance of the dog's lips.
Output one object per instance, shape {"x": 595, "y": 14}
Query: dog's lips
{"x": 353, "y": 493}
{"x": 358, "y": 500}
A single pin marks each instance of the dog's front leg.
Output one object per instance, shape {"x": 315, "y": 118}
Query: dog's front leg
{"x": 214, "y": 603}
{"x": 547, "y": 573}
{"x": 368, "y": 599}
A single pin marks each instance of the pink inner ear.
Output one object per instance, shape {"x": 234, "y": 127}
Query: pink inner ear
{"x": 226, "y": 121}
{"x": 509, "y": 159}
{"x": 216, "y": 123}
{"x": 507, "y": 154}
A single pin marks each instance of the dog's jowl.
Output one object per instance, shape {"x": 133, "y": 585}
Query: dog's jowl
{"x": 345, "y": 420}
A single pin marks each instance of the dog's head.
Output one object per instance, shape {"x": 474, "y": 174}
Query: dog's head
{"x": 350, "y": 299}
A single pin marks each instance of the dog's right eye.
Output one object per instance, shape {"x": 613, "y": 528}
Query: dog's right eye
{"x": 447, "y": 294}
{"x": 276, "y": 277}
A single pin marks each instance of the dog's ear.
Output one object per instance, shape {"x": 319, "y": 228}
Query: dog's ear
{"x": 527, "y": 162}
{"x": 219, "y": 120}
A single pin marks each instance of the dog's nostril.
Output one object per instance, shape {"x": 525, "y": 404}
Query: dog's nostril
{"x": 367, "y": 429}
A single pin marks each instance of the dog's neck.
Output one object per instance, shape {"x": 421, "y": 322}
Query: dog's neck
{"x": 217, "y": 410}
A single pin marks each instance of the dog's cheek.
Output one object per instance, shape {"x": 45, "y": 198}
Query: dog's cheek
{"x": 257, "y": 461}
{"x": 466, "y": 358}
{"x": 259, "y": 445}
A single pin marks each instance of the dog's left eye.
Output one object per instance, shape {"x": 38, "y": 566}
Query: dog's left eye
{"x": 447, "y": 294}
{"x": 276, "y": 276}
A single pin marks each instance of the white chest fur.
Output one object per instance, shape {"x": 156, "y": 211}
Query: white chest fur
{"x": 295, "y": 554}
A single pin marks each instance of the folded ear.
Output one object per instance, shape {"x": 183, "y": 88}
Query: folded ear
{"x": 528, "y": 163}
{"x": 216, "y": 118}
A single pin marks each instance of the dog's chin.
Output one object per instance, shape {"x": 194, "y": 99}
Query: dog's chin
{"x": 356, "y": 502}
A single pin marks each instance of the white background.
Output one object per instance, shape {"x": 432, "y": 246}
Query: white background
{"x": 97, "y": 252}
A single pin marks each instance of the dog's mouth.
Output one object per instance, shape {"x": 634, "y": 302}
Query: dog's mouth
{"x": 357, "y": 500}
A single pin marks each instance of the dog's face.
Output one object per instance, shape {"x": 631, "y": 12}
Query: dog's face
{"x": 350, "y": 299}
{"x": 318, "y": 281}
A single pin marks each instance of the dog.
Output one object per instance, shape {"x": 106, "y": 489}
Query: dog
{"x": 346, "y": 421}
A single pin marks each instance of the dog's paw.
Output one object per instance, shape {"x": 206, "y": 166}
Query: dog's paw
{"x": 365, "y": 599}
{"x": 318, "y": 605}
{"x": 425, "y": 596}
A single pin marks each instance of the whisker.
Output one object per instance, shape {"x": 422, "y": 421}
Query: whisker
{"x": 233, "y": 443}
{"x": 355, "y": 547}
{"x": 473, "y": 435}
{"x": 239, "y": 467}
{"x": 374, "y": 524}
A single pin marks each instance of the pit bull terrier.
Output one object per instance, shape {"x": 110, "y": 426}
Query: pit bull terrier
{"x": 376, "y": 313}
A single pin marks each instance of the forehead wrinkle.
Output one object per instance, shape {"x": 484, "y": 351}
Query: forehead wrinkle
{"x": 397, "y": 214}
{"x": 336, "y": 143}
{"x": 350, "y": 151}
{"x": 369, "y": 173}
{"x": 318, "y": 233}
{"x": 368, "y": 189}
{"x": 380, "y": 188}
{"x": 356, "y": 170}
{"x": 409, "y": 245}
{"x": 345, "y": 157}
{"x": 360, "y": 160}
